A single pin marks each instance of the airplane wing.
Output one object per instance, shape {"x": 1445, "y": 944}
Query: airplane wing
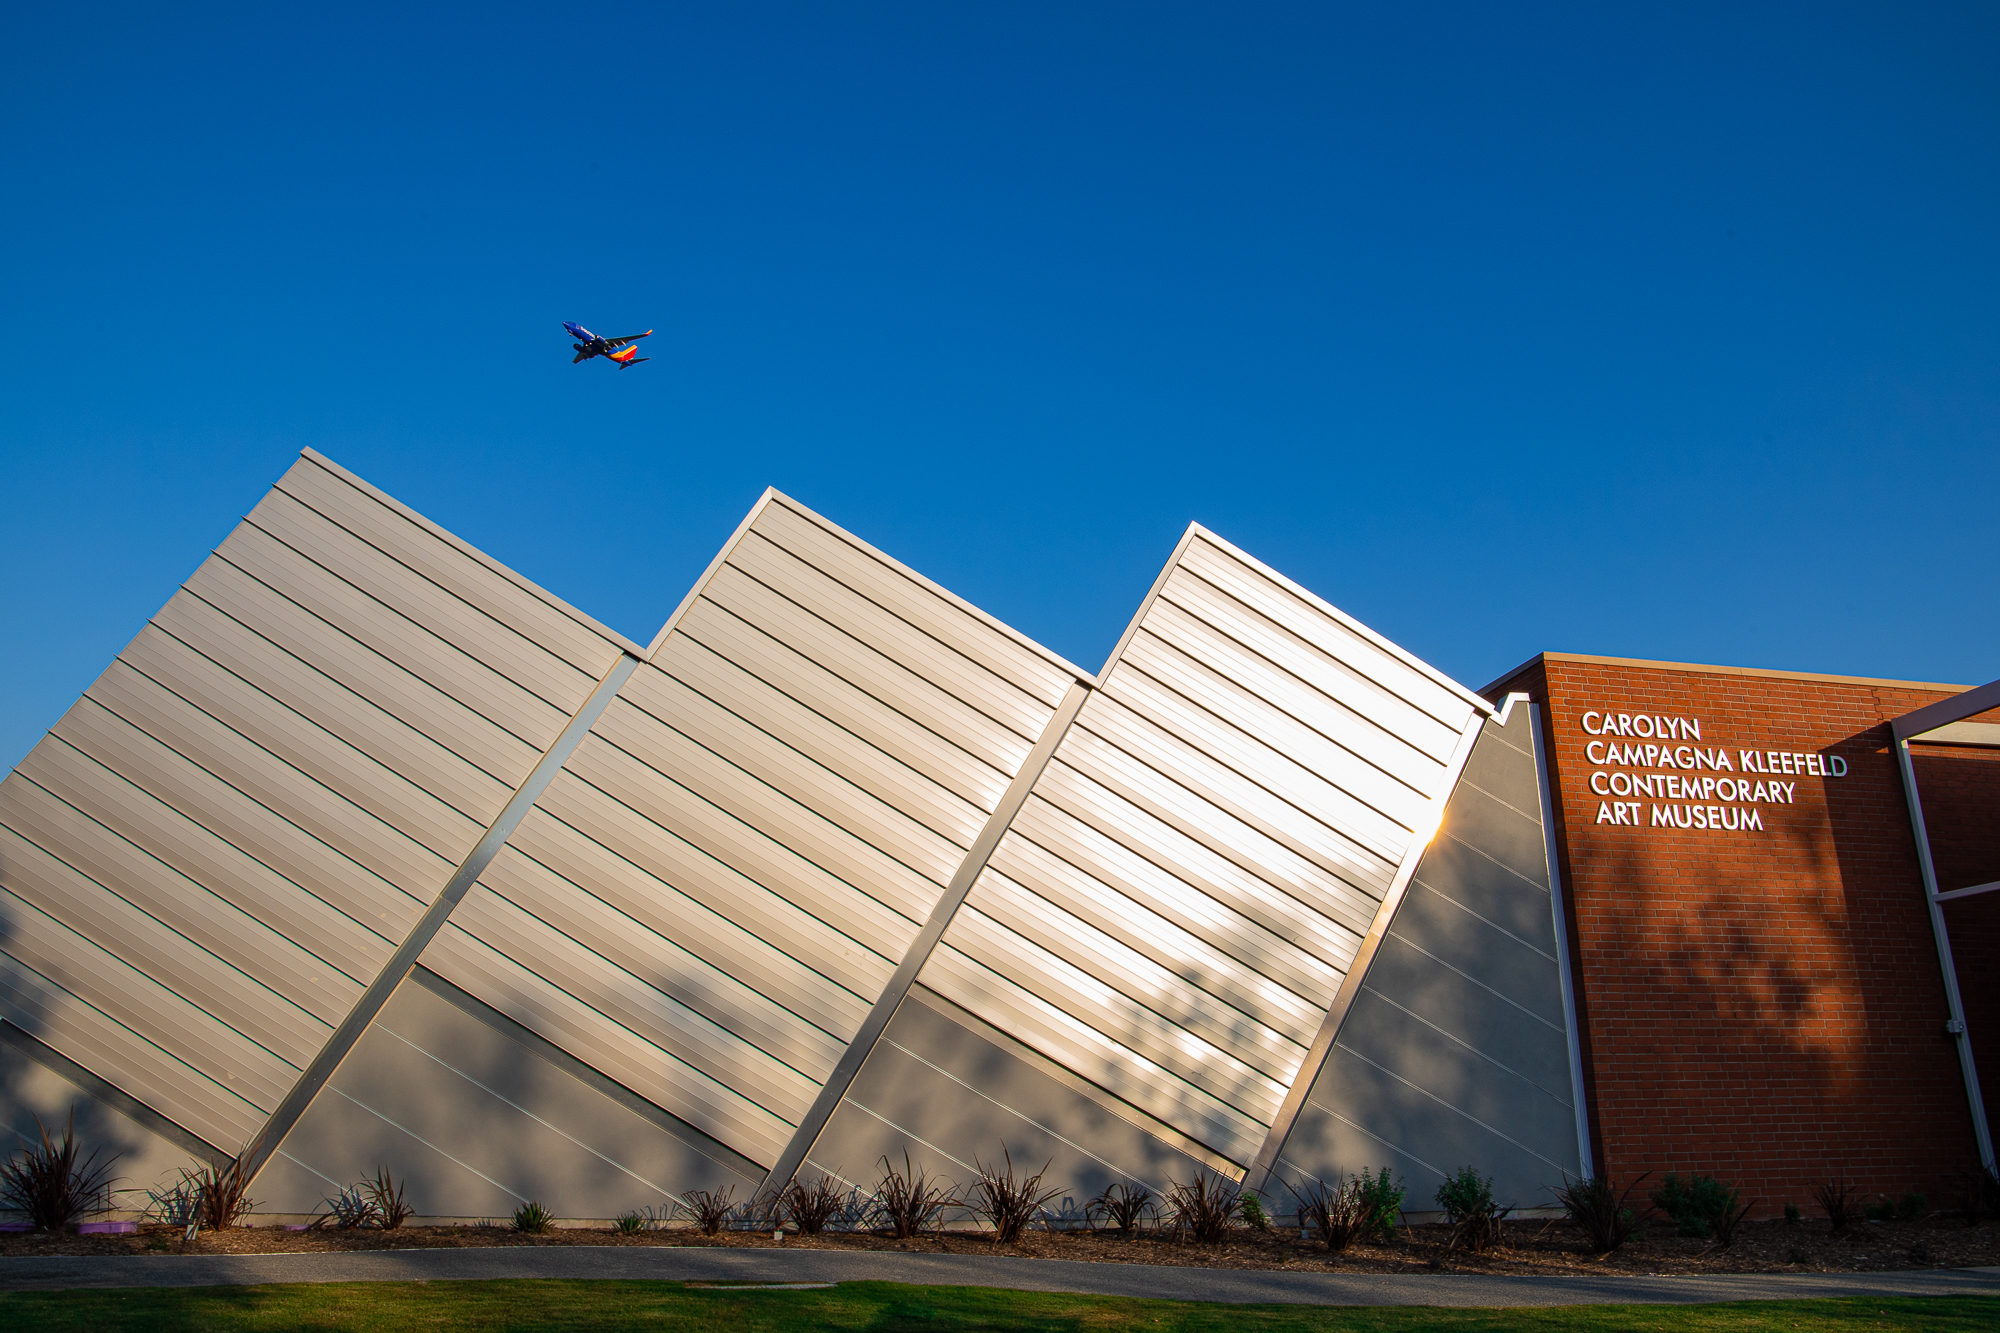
{"x": 620, "y": 342}
{"x": 578, "y": 357}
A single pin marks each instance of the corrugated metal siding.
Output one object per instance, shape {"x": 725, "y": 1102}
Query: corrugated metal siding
{"x": 1456, "y": 1048}
{"x": 1175, "y": 907}
{"x": 217, "y": 847}
{"x": 732, "y": 865}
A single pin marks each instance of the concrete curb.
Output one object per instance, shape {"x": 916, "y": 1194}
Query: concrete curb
{"x": 1236, "y": 1286}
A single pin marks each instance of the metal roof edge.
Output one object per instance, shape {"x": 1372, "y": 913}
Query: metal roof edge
{"x": 1944, "y": 712}
{"x": 876, "y": 553}
{"x": 1387, "y": 645}
{"x": 1146, "y": 602}
{"x": 459, "y": 543}
{"x": 1502, "y": 679}
{"x": 714, "y": 566}
{"x": 1707, "y": 669}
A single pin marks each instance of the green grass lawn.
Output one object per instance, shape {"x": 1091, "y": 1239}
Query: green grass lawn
{"x": 883, "y": 1306}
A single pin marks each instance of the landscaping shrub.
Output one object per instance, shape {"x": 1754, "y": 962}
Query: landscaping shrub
{"x": 52, "y": 1182}
{"x": 911, "y": 1201}
{"x": 1702, "y": 1206}
{"x": 219, "y": 1196}
{"x": 1599, "y": 1211}
{"x": 1792, "y": 1214}
{"x": 811, "y": 1208}
{"x": 1467, "y": 1200}
{"x": 1204, "y": 1207}
{"x": 178, "y": 1205}
{"x": 1838, "y": 1201}
{"x": 1008, "y": 1201}
{"x": 711, "y": 1211}
{"x": 1912, "y": 1206}
{"x": 1253, "y": 1211}
{"x": 1123, "y": 1205}
{"x": 532, "y": 1219}
{"x": 391, "y": 1208}
{"x": 636, "y": 1220}
{"x": 348, "y": 1210}
{"x": 1340, "y": 1211}
{"x": 1385, "y": 1197}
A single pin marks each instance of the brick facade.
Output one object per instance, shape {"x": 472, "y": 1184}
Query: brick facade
{"x": 1765, "y": 1005}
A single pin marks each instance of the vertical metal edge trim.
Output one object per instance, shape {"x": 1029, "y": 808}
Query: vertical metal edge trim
{"x": 1559, "y": 909}
{"x": 1265, "y": 1163}
{"x": 708, "y": 575}
{"x": 261, "y": 1148}
{"x": 1146, "y": 603}
{"x": 1981, "y": 1132}
{"x": 920, "y": 949}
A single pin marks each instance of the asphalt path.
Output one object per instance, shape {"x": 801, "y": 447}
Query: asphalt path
{"x": 1242, "y": 1286}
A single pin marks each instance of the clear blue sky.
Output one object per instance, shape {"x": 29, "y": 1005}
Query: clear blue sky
{"x": 1660, "y": 332}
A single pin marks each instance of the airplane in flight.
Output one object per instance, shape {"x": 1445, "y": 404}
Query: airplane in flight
{"x": 589, "y": 344}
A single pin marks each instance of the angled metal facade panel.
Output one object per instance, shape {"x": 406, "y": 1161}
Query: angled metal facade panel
{"x": 221, "y": 844}
{"x": 477, "y": 1116}
{"x": 1233, "y": 696}
{"x": 1456, "y": 1049}
{"x": 763, "y": 820}
{"x": 840, "y": 865}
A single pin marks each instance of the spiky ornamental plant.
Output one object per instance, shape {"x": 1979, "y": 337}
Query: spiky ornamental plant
{"x": 392, "y": 1209}
{"x": 54, "y": 1182}
{"x": 912, "y": 1200}
{"x": 532, "y": 1219}
{"x": 812, "y": 1207}
{"x": 1599, "y": 1211}
{"x": 711, "y": 1211}
{"x": 1341, "y": 1211}
{"x": 1008, "y": 1201}
{"x": 1204, "y": 1207}
{"x": 1123, "y": 1206}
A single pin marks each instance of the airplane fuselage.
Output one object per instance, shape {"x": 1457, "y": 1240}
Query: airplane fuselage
{"x": 589, "y": 344}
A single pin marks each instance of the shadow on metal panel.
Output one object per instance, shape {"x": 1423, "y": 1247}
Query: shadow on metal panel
{"x": 940, "y": 1073}
{"x": 37, "y": 1081}
{"x": 1456, "y": 1050}
{"x": 480, "y": 1116}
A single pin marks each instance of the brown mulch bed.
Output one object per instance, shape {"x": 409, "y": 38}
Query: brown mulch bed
{"x": 1526, "y": 1247}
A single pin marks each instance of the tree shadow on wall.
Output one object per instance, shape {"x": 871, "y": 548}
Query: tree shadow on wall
{"x": 1756, "y": 1018}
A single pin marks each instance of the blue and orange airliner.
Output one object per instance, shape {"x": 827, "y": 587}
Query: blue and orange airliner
{"x": 589, "y": 344}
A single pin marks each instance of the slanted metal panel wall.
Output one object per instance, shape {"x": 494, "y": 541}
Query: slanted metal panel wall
{"x": 1174, "y": 909}
{"x": 218, "y": 847}
{"x": 1456, "y": 1048}
{"x": 730, "y": 868}
{"x": 476, "y": 1117}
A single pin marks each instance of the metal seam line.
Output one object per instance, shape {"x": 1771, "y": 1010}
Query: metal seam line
{"x": 1982, "y": 1135}
{"x": 1559, "y": 909}
{"x": 1258, "y": 1175}
{"x": 919, "y": 952}
{"x": 261, "y": 1148}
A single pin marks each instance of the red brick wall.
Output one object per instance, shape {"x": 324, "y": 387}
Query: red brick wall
{"x": 1763, "y": 1005}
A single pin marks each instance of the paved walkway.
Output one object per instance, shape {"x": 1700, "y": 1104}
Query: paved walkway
{"x": 756, "y": 1266}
